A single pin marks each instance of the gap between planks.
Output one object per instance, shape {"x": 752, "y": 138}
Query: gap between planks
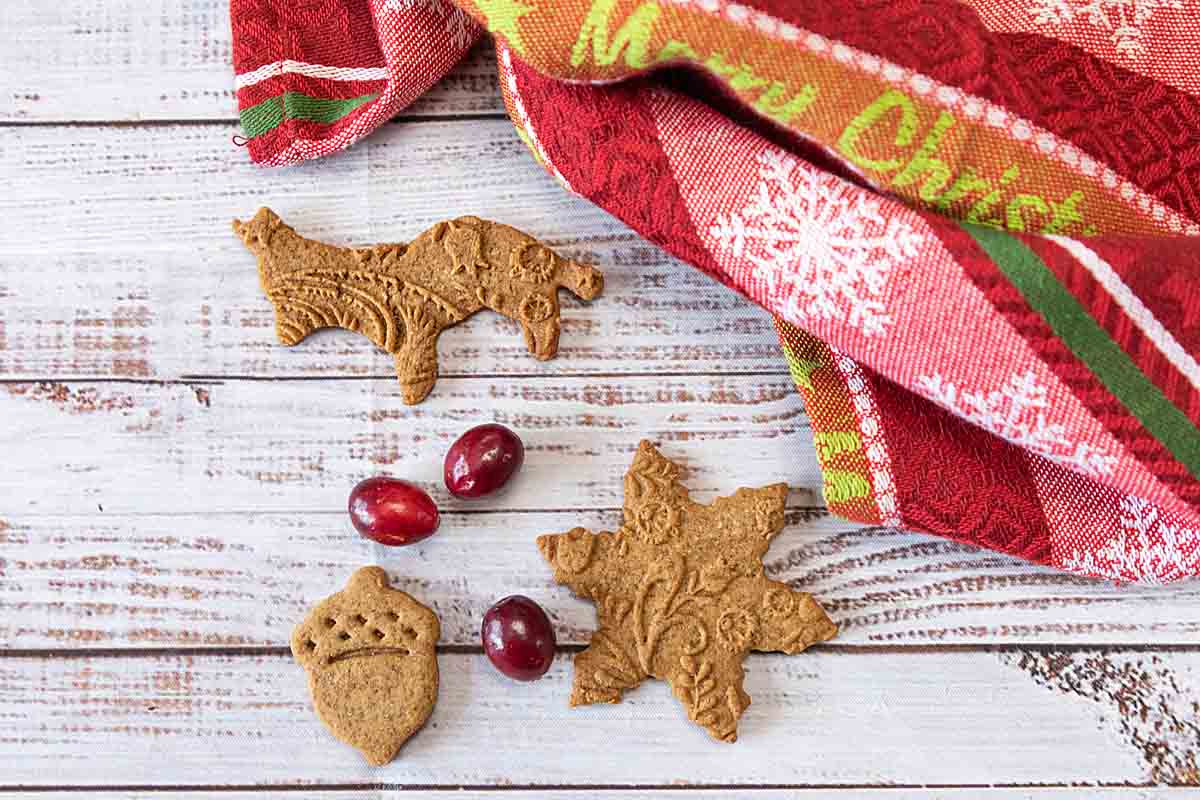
{"x": 869, "y": 649}
{"x": 399, "y": 119}
{"x": 801, "y": 509}
{"x": 893, "y": 791}
{"x": 211, "y": 380}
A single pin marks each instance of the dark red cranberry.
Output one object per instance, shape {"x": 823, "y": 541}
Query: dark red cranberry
{"x": 482, "y": 460}
{"x": 518, "y": 638}
{"x": 392, "y": 511}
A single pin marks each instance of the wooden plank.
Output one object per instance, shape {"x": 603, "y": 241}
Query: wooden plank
{"x": 819, "y": 719}
{"x": 157, "y": 59}
{"x": 219, "y": 580}
{"x": 690, "y": 793}
{"x": 301, "y": 445}
{"x": 118, "y": 258}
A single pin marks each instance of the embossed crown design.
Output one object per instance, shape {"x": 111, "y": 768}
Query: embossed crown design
{"x": 369, "y": 619}
{"x": 370, "y": 654}
{"x": 402, "y": 296}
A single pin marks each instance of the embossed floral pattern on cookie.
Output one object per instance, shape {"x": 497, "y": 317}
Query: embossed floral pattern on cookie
{"x": 681, "y": 594}
{"x": 653, "y": 521}
{"x": 402, "y": 296}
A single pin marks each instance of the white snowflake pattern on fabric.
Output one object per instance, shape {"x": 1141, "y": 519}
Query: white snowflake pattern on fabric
{"x": 459, "y": 26}
{"x": 821, "y": 245}
{"x": 1122, "y": 19}
{"x": 1016, "y": 412}
{"x": 1148, "y": 549}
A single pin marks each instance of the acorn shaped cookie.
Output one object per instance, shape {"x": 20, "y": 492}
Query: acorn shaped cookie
{"x": 369, "y": 651}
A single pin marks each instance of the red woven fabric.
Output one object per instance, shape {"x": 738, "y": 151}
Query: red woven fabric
{"x": 975, "y": 222}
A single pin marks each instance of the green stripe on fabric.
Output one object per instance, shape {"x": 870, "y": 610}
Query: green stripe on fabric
{"x": 263, "y": 117}
{"x": 271, "y": 113}
{"x": 1092, "y": 344}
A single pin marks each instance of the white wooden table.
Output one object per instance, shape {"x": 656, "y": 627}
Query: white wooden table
{"x": 173, "y": 483}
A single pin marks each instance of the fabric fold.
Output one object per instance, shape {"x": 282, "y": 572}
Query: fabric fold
{"x": 314, "y": 77}
{"x": 981, "y": 247}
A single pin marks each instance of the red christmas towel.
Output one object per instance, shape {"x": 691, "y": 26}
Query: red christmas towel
{"x": 976, "y": 221}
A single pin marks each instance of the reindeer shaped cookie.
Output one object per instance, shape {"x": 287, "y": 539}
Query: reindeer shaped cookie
{"x": 402, "y": 296}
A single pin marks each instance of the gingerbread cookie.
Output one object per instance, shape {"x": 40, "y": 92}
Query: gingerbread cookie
{"x": 402, "y": 296}
{"x": 681, "y": 594}
{"x": 369, "y": 651}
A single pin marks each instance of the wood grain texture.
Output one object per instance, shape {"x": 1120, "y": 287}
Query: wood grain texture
{"x": 233, "y": 580}
{"x": 664, "y": 793}
{"x": 299, "y": 446}
{"x": 932, "y": 718}
{"x": 119, "y": 260}
{"x": 174, "y": 478}
{"x": 126, "y": 60}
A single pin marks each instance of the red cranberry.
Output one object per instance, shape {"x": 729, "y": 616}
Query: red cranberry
{"x": 482, "y": 460}
{"x": 392, "y": 512}
{"x": 518, "y": 638}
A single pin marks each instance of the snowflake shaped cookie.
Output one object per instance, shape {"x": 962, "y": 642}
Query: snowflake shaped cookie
{"x": 681, "y": 594}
